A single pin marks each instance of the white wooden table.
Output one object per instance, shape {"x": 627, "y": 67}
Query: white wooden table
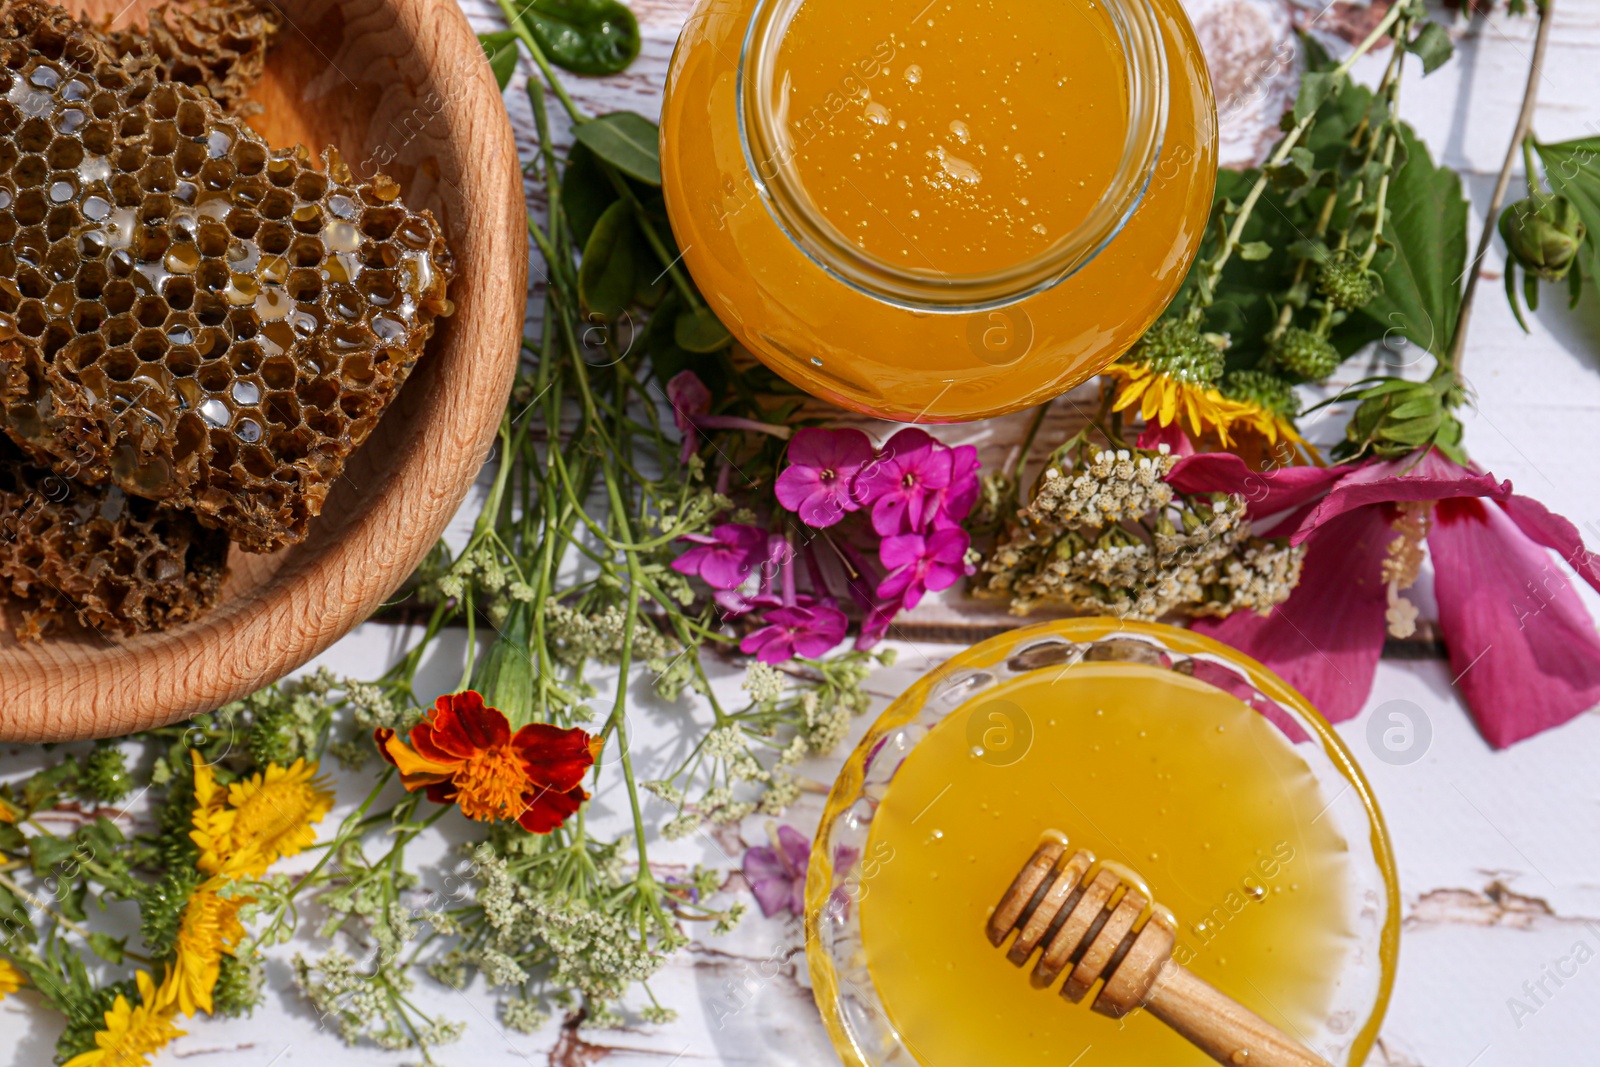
{"x": 1499, "y": 853}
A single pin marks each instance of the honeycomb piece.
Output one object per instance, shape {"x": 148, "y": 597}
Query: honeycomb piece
{"x": 218, "y": 44}
{"x": 185, "y": 312}
{"x": 113, "y": 562}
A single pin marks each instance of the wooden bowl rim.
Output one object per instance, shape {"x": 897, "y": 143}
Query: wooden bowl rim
{"x": 70, "y": 689}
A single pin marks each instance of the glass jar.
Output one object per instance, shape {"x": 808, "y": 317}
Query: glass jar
{"x": 1207, "y": 872}
{"x": 935, "y": 212}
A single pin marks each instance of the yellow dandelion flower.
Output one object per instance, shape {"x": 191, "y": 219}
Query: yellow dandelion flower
{"x": 6, "y": 814}
{"x": 210, "y": 929}
{"x": 11, "y": 979}
{"x": 259, "y": 820}
{"x": 275, "y": 810}
{"x": 213, "y": 823}
{"x": 1163, "y": 400}
{"x": 132, "y": 1034}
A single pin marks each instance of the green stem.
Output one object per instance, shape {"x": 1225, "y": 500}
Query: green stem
{"x": 1530, "y": 96}
{"x": 515, "y": 23}
{"x": 82, "y": 931}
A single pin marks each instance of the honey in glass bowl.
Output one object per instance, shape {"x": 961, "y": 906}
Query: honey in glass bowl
{"x": 932, "y": 211}
{"x": 1181, "y": 766}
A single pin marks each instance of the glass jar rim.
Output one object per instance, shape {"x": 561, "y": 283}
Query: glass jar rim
{"x": 770, "y": 153}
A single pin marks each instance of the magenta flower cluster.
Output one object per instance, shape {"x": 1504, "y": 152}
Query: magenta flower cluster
{"x": 877, "y": 527}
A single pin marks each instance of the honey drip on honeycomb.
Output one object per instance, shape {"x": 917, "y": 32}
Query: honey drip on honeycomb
{"x": 114, "y": 563}
{"x": 186, "y": 313}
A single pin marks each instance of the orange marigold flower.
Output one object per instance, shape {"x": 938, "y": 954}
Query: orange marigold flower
{"x": 464, "y": 753}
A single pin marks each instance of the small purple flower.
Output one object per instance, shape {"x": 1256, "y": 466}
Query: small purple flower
{"x": 725, "y": 559}
{"x": 777, "y": 872}
{"x": 819, "y": 483}
{"x": 919, "y": 565}
{"x": 904, "y": 484}
{"x": 690, "y": 399}
{"x": 791, "y": 631}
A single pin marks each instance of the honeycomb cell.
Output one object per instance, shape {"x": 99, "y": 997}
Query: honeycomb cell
{"x": 95, "y": 556}
{"x": 205, "y": 322}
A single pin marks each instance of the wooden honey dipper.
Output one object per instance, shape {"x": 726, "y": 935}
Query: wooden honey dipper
{"x": 1089, "y": 927}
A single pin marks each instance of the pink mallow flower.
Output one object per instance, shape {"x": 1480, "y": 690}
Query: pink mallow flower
{"x": 777, "y": 872}
{"x": 1524, "y": 651}
{"x": 905, "y": 483}
{"x": 793, "y": 630}
{"x": 918, "y": 565}
{"x": 819, "y": 482}
{"x": 727, "y": 558}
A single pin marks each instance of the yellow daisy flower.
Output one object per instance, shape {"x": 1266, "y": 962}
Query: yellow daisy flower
{"x": 11, "y": 979}
{"x": 1163, "y": 400}
{"x": 132, "y": 1034}
{"x": 275, "y": 810}
{"x": 1269, "y": 425}
{"x": 259, "y": 820}
{"x": 209, "y": 929}
{"x": 213, "y": 824}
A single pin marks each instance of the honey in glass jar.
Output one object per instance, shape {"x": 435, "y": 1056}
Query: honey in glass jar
{"x": 931, "y": 211}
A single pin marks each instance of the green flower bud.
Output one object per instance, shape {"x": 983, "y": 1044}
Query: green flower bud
{"x": 1346, "y": 285}
{"x": 105, "y": 776}
{"x": 1304, "y": 354}
{"x": 273, "y": 737}
{"x": 1543, "y": 233}
{"x": 1397, "y": 417}
{"x": 1180, "y": 351}
{"x": 239, "y": 985}
{"x": 1263, "y": 389}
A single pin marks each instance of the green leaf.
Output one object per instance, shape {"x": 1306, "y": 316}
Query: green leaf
{"x": 649, "y": 284}
{"x": 1415, "y": 408}
{"x": 585, "y": 193}
{"x": 584, "y": 36}
{"x": 1422, "y": 275}
{"x": 1573, "y": 170}
{"x": 1413, "y": 432}
{"x": 501, "y": 49}
{"x": 47, "y": 850}
{"x": 1315, "y": 87}
{"x": 700, "y": 331}
{"x": 107, "y": 947}
{"x": 605, "y": 278}
{"x": 1254, "y": 251}
{"x": 629, "y": 142}
{"x": 1432, "y": 45}
{"x": 1387, "y": 386}
{"x": 70, "y": 899}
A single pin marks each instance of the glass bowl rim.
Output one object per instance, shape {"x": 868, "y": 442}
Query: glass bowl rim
{"x": 847, "y": 789}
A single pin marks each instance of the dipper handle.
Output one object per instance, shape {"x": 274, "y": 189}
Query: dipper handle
{"x": 1090, "y": 922}
{"x": 1220, "y": 1026}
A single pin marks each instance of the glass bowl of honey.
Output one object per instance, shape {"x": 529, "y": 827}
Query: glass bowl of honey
{"x": 930, "y": 211}
{"x": 1172, "y": 758}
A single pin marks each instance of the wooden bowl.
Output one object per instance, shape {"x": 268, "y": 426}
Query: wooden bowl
{"x": 403, "y": 85}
